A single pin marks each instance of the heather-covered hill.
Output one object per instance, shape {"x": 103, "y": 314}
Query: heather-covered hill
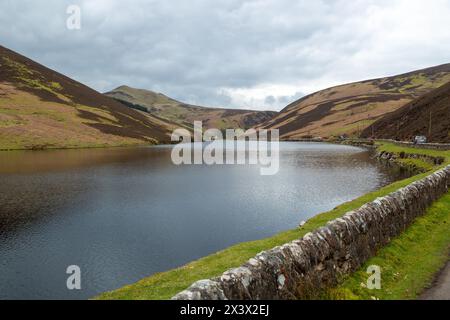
{"x": 41, "y": 108}
{"x": 184, "y": 114}
{"x": 351, "y": 108}
{"x": 428, "y": 115}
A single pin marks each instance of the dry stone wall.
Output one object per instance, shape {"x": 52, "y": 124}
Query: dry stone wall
{"x": 430, "y": 146}
{"x": 393, "y": 157}
{"x": 298, "y": 269}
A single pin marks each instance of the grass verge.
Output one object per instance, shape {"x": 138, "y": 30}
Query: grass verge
{"x": 390, "y": 147}
{"x": 409, "y": 263}
{"x": 166, "y": 284}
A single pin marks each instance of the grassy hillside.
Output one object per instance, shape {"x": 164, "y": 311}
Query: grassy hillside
{"x": 184, "y": 114}
{"x": 416, "y": 117}
{"x": 351, "y": 108}
{"x": 40, "y": 108}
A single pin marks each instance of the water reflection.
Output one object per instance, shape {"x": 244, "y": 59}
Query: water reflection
{"x": 123, "y": 214}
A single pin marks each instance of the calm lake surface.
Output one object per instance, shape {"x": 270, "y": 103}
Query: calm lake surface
{"x": 124, "y": 214}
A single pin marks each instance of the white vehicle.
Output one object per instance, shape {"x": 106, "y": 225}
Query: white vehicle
{"x": 420, "y": 140}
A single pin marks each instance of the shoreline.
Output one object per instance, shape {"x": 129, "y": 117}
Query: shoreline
{"x": 138, "y": 145}
{"x": 378, "y": 150}
{"x": 166, "y": 284}
{"x": 81, "y": 148}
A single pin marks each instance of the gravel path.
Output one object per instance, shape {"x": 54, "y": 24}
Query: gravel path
{"x": 441, "y": 286}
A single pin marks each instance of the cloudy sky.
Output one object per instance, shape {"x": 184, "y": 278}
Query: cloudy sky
{"x": 259, "y": 54}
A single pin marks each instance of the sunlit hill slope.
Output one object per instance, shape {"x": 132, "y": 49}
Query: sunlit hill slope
{"x": 185, "y": 114}
{"x": 40, "y": 108}
{"x": 349, "y": 109}
{"x": 428, "y": 115}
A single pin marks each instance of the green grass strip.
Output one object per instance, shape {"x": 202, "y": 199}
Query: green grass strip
{"x": 164, "y": 285}
{"x": 409, "y": 263}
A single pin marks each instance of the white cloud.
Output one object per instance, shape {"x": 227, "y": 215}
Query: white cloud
{"x": 230, "y": 53}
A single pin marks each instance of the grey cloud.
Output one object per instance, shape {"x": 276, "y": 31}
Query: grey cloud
{"x": 194, "y": 50}
{"x": 270, "y": 100}
{"x": 284, "y": 100}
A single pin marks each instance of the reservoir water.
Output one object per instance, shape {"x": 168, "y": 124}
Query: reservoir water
{"x": 124, "y": 214}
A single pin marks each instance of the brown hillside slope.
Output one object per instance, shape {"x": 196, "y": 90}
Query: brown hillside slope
{"x": 40, "y": 108}
{"x": 349, "y": 109}
{"x": 414, "y": 119}
{"x": 184, "y": 114}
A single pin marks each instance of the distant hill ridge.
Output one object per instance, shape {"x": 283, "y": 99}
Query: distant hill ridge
{"x": 185, "y": 114}
{"x": 41, "y": 108}
{"x": 350, "y": 108}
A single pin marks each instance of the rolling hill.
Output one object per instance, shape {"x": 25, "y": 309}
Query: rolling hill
{"x": 184, "y": 114}
{"x": 349, "y": 109}
{"x": 414, "y": 119}
{"x": 41, "y": 108}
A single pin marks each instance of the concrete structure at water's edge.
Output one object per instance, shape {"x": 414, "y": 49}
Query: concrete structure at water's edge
{"x": 300, "y": 269}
